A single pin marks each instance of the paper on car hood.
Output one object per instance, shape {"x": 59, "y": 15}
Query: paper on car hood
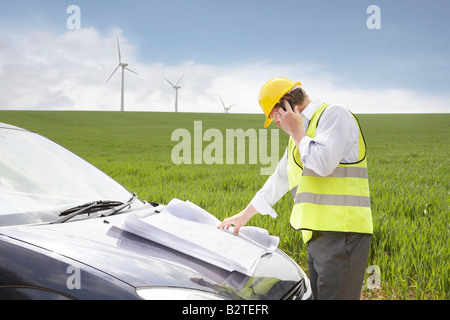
{"x": 188, "y": 228}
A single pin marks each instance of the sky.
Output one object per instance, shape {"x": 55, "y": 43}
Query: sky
{"x": 52, "y": 58}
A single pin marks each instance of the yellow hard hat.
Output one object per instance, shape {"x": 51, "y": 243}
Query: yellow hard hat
{"x": 271, "y": 93}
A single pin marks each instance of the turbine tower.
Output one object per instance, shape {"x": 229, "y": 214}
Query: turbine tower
{"x": 124, "y": 66}
{"x": 225, "y": 109}
{"x": 175, "y": 87}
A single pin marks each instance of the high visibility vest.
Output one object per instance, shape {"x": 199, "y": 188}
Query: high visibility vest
{"x": 338, "y": 202}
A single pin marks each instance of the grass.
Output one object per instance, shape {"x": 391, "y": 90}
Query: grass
{"x": 408, "y": 173}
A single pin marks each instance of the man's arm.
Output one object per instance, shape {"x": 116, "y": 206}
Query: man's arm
{"x": 273, "y": 190}
{"x": 336, "y": 141}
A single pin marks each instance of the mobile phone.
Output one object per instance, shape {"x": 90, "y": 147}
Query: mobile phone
{"x": 283, "y": 106}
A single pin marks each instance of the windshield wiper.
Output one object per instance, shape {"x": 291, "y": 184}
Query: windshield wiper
{"x": 94, "y": 206}
{"x": 120, "y": 207}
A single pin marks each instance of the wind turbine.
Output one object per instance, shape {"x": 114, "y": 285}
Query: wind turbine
{"x": 225, "y": 109}
{"x": 175, "y": 87}
{"x": 124, "y": 66}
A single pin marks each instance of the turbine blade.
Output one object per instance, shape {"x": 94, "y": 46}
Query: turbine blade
{"x": 169, "y": 82}
{"x": 118, "y": 49}
{"x": 131, "y": 70}
{"x": 112, "y": 74}
{"x": 180, "y": 79}
{"x": 222, "y": 101}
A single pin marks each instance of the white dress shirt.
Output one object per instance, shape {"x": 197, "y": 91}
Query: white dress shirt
{"x": 336, "y": 140}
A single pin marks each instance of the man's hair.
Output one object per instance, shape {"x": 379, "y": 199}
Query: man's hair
{"x": 297, "y": 95}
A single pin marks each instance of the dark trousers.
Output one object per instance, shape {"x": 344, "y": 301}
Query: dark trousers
{"x": 337, "y": 263}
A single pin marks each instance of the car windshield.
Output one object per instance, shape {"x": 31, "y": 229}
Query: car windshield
{"x": 39, "y": 179}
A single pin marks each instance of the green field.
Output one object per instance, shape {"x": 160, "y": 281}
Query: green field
{"x": 408, "y": 157}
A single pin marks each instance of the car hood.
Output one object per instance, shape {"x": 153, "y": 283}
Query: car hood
{"x": 143, "y": 263}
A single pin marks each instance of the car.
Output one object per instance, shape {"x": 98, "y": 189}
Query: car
{"x": 59, "y": 240}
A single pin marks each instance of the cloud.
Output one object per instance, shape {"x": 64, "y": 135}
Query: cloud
{"x": 46, "y": 71}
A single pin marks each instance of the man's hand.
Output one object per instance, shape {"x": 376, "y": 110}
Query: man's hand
{"x": 291, "y": 122}
{"x": 238, "y": 220}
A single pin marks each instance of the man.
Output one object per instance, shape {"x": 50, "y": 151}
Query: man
{"x": 325, "y": 169}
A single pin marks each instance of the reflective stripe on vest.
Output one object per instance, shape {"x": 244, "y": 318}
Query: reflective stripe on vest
{"x": 337, "y": 202}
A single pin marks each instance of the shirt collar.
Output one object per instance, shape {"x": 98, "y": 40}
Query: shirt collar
{"x": 311, "y": 108}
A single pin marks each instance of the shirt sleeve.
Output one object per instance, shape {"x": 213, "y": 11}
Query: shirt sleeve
{"x": 335, "y": 139}
{"x": 273, "y": 190}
